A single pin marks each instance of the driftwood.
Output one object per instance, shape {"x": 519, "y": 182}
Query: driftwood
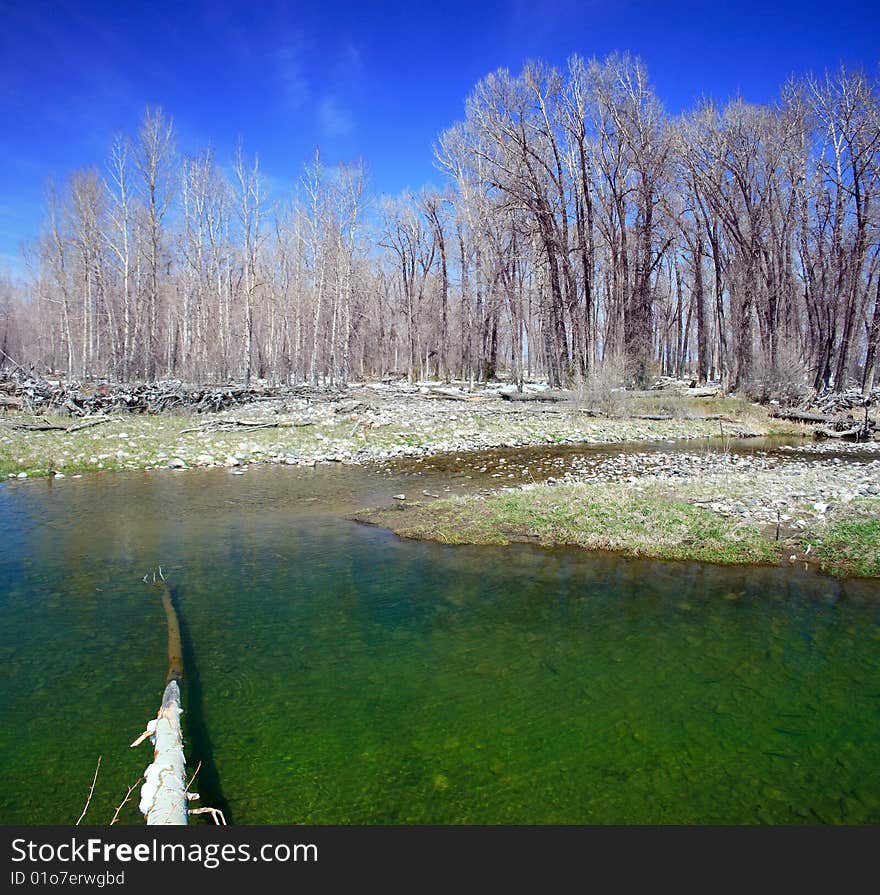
{"x": 836, "y": 403}
{"x": 442, "y": 394}
{"x": 709, "y": 391}
{"x": 704, "y": 392}
{"x": 835, "y": 425}
{"x": 856, "y": 433}
{"x": 801, "y": 416}
{"x": 52, "y": 427}
{"x": 552, "y": 395}
{"x": 247, "y": 425}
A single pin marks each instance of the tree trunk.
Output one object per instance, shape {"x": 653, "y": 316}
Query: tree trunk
{"x": 164, "y": 797}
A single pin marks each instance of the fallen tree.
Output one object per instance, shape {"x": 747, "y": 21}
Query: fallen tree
{"x": 165, "y": 795}
{"x": 52, "y": 427}
{"x": 801, "y": 416}
{"x": 554, "y": 395}
{"x": 229, "y": 425}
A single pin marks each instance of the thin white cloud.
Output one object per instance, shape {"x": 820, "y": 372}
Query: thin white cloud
{"x": 349, "y": 64}
{"x": 291, "y": 79}
{"x": 333, "y": 119}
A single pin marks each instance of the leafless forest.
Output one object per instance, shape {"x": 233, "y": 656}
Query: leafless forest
{"x": 582, "y": 231}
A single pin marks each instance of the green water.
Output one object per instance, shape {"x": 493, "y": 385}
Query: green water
{"x": 339, "y": 675}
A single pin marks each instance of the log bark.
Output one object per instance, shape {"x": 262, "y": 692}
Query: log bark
{"x": 554, "y": 395}
{"x": 164, "y": 798}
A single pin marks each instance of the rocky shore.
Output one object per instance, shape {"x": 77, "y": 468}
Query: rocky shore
{"x": 785, "y": 487}
{"x": 367, "y": 423}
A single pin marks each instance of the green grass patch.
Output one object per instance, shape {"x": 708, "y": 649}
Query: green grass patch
{"x": 605, "y": 517}
{"x": 850, "y": 547}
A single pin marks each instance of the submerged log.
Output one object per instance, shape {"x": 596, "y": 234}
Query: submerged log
{"x": 164, "y": 797}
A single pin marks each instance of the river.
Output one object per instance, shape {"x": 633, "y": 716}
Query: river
{"x": 337, "y": 674}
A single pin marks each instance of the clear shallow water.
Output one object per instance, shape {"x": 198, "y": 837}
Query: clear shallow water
{"x": 336, "y": 674}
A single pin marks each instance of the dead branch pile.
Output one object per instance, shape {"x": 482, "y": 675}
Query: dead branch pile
{"x": 842, "y": 415}
{"x": 836, "y": 403}
{"x": 37, "y": 395}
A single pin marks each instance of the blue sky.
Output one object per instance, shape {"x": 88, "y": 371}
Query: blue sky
{"x": 378, "y": 80}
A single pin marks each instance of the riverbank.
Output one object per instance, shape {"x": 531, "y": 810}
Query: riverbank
{"x": 366, "y": 423}
{"x": 814, "y": 507}
{"x": 704, "y": 504}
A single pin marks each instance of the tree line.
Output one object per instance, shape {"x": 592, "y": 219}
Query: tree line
{"x": 580, "y": 228}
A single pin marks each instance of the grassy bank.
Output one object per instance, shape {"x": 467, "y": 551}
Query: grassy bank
{"x": 651, "y": 523}
{"x": 850, "y": 546}
{"x": 595, "y": 517}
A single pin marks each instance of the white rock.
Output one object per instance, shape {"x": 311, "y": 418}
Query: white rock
{"x": 22, "y": 475}
{"x": 176, "y": 463}
{"x": 399, "y": 496}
